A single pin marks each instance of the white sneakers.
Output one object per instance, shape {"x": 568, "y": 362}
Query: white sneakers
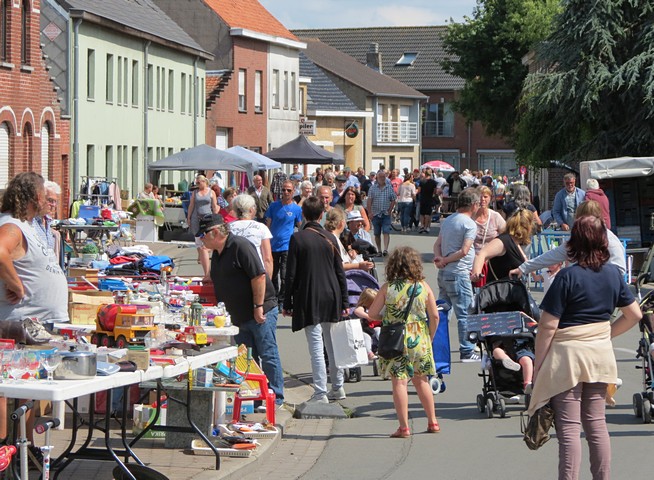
{"x": 338, "y": 394}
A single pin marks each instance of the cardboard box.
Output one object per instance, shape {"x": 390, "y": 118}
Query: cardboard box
{"x": 143, "y": 416}
{"x": 141, "y": 357}
{"x": 91, "y": 274}
{"x": 204, "y": 377}
{"x": 83, "y": 305}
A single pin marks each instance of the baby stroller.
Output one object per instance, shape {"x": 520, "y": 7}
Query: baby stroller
{"x": 357, "y": 282}
{"x": 643, "y": 401}
{"x": 503, "y": 312}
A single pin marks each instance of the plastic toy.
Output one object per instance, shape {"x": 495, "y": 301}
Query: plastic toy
{"x": 122, "y": 325}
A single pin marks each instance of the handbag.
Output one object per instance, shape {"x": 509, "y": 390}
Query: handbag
{"x": 536, "y": 429}
{"x": 348, "y": 344}
{"x": 391, "y": 338}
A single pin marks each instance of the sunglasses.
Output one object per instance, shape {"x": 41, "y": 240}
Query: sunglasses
{"x": 202, "y": 235}
{"x": 287, "y": 189}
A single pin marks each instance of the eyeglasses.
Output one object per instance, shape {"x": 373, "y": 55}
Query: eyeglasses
{"x": 287, "y": 189}
{"x": 51, "y": 201}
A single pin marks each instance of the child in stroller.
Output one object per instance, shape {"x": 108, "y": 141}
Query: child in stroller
{"x": 644, "y": 400}
{"x": 371, "y": 328}
{"x": 359, "y": 281}
{"x": 504, "y": 326}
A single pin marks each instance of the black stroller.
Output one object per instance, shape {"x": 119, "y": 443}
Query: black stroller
{"x": 643, "y": 401}
{"x": 503, "y": 312}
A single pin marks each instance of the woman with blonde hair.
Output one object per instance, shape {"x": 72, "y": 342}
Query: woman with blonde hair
{"x": 203, "y": 202}
{"x": 490, "y": 223}
{"x": 507, "y": 251}
{"x": 408, "y": 299}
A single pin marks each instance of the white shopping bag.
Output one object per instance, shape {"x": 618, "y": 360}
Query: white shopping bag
{"x": 348, "y": 343}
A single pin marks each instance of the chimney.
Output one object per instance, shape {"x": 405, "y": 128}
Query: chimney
{"x": 373, "y": 57}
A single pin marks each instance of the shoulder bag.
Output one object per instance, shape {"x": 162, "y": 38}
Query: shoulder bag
{"x": 391, "y": 337}
{"x": 536, "y": 429}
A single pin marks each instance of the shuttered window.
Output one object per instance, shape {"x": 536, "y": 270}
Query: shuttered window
{"x": 4, "y": 155}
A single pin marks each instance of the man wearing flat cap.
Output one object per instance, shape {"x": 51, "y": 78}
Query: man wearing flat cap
{"x": 241, "y": 282}
{"x": 341, "y": 180}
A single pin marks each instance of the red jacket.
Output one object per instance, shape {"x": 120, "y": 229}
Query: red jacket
{"x": 599, "y": 196}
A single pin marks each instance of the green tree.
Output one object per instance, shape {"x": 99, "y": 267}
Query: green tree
{"x": 592, "y": 95}
{"x": 486, "y": 51}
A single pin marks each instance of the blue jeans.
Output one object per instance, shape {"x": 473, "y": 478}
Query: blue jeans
{"x": 262, "y": 338}
{"x": 405, "y": 213}
{"x": 456, "y": 290}
{"x": 317, "y": 337}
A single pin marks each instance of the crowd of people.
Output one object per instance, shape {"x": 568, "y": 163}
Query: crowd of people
{"x": 286, "y": 248}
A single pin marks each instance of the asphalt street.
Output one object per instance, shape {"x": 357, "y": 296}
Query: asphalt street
{"x": 470, "y": 445}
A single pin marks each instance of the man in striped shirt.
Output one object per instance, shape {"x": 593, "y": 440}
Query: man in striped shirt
{"x": 381, "y": 200}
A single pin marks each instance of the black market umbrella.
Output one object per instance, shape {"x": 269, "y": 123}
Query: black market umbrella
{"x": 304, "y": 151}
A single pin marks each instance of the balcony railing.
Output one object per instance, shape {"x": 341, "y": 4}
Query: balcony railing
{"x": 397, "y": 132}
{"x": 434, "y": 128}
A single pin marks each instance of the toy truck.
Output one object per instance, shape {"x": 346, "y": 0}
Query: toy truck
{"x": 193, "y": 334}
{"x": 122, "y": 325}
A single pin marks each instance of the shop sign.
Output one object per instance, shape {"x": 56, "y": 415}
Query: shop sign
{"x": 307, "y": 127}
{"x": 352, "y": 130}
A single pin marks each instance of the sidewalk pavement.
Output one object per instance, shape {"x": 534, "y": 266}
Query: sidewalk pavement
{"x": 275, "y": 458}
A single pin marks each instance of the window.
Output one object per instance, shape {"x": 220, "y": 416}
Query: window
{"x": 119, "y": 83}
{"x": 135, "y": 83}
{"x": 150, "y": 86}
{"x": 125, "y": 80}
{"x": 407, "y": 59}
{"x": 242, "y": 105}
{"x": 275, "y": 89}
{"x": 191, "y": 106}
{"x": 163, "y": 89}
{"x": 293, "y": 92}
{"x": 303, "y": 91}
{"x": 171, "y": 90}
{"x": 183, "y": 104}
{"x": 5, "y": 13}
{"x": 438, "y": 120}
{"x": 109, "y": 160}
{"x": 90, "y": 74}
{"x": 158, "y": 88}
{"x": 136, "y": 169}
{"x": 122, "y": 172}
{"x": 90, "y": 160}
{"x": 4, "y": 153}
{"x": 258, "y": 100}
{"x": 202, "y": 97}
{"x": 286, "y": 90}
{"x": 110, "y": 78}
{"x": 45, "y": 150}
{"x": 25, "y": 33}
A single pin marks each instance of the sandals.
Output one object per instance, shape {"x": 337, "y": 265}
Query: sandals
{"x": 401, "y": 433}
{"x": 433, "y": 427}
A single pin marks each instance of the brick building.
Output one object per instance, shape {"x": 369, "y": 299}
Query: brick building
{"x": 33, "y": 134}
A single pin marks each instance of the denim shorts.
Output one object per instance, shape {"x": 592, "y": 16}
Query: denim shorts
{"x": 381, "y": 223}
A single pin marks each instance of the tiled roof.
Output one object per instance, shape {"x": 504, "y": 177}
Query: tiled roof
{"x": 425, "y": 74}
{"x": 141, "y": 15}
{"x": 322, "y": 93}
{"x": 350, "y": 70}
{"x": 250, "y": 15}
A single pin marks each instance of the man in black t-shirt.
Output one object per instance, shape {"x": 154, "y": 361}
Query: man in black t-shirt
{"x": 240, "y": 281}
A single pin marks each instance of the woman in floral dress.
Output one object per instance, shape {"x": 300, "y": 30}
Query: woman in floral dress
{"x": 404, "y": 274}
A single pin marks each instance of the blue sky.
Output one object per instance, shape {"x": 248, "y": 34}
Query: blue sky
{"x": 367, "y": 13}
